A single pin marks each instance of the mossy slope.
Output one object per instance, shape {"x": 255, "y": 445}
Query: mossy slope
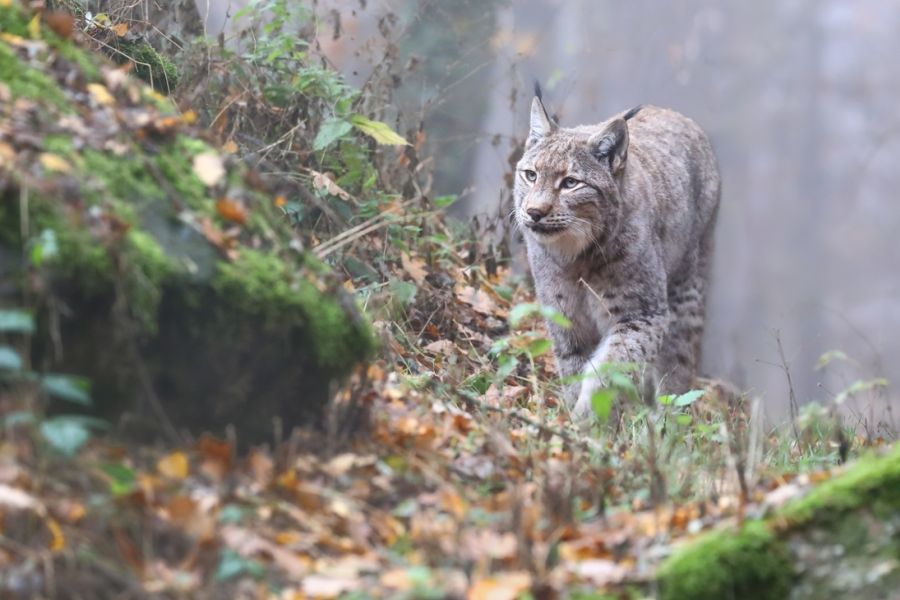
{"x": 153, "y": 257}
{"x": 841, "y": 540}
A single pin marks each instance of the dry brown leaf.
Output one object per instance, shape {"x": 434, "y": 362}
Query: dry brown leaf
{"x": 16, "y": 499}
{"x": 323, "y": 586}
{"x": 262, "y": 468}
{"x": 502, "y": 586}
{"x": 445, "y": 347}
{"x": 601, "y": 572}
{"x": 120, "y": 29}
{"x": 181, "y": 509}
{"x": 231, "y": 210}
{"x": 477, "y": 299}
{"x": 216, "y": 456}
{"x": 324, "y": 182}
{"x": 248, "y": 544}
{"x": 340, "y": 464}
{"x": 209, "y": 168}
{"x": 415, "y": 267}
{"x": 61, "y": 23}
{"x": 397, "y": 579}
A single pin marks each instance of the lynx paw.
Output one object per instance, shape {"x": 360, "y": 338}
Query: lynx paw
{"x": 583, "y": 408}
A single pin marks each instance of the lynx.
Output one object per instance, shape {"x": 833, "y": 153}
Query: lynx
{"x": 618, "y": 222}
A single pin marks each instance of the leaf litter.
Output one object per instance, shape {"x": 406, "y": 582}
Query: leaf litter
{"x": 464, "y": 483}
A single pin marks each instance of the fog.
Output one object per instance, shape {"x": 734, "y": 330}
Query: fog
{"x": 798, "y": 96}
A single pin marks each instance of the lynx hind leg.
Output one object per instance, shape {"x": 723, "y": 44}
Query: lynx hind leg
{"x": 680, "y": 353}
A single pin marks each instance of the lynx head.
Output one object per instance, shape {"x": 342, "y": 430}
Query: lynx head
{"x": 567, "y": 182}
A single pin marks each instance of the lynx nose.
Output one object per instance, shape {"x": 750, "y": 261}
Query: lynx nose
{"x": 536, "y": 214}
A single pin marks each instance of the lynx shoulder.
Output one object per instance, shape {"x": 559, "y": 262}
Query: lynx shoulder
{"x": 618, "y": 220}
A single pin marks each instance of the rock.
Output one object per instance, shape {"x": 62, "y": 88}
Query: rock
{"x": 841, "y": 540}
{"x": 174, "y": 291}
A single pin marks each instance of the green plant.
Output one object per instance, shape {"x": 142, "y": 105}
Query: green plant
{"x": 65, "y": 432}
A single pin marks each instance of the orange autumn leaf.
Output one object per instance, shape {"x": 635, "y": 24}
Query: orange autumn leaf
{"x": 61, "y": 23}
{"x": 173, "y": 466}
{"x": 58, "y": 540}
{"x": 231, "y": 210}
{"x": 503, "y": 586}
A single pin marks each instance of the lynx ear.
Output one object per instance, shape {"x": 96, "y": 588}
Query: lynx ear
{"x": 541, "y": 123}
{"x": 611, "y": 145}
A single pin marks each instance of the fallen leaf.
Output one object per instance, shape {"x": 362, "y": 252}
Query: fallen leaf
{"x": 324, "y": 182}
{"x": 503, "y": 586}
{"x": 11, "y": 497}
{"x": 209, "y": 168}
{"x": 58, "y": 540}
{"x": 7, "y": 154}
{"x": 601, "y": 572}
{"x": 231, "y": 210}
{"x": 230, "y": 147}
{"x": 120, "y": 29}
{"x": 216, "y": 456}
{"x": 61, "y": 23}
{"x": 54, "y": 163}
{"x": 262, "y": 467}
{"x": 173, "y": 466}
{"x": 248, "y": 544}
{"x": 100, "y": 94}
{"x": 445, "y": 347}
{"x": 323, "y": 586}
{"x": 415, "y": 267}
{"x": 477, "y": 299}
{"x": 181, "y": 509}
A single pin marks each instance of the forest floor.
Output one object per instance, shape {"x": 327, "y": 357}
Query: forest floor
{"x": 447, "y": 467}
{"x": 464, "y": 483}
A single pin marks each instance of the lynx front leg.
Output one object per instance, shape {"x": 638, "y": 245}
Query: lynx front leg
{"x": 632, "y": 339}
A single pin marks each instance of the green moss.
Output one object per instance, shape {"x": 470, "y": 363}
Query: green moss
{"x": 13, "y": 20}
{"x": 28, "y": 82}
{"x": 750, "y": 564}
{"x": 82, "y": 259}
{"x": 147, "y": 269}
{"x": 149, "y": 65}
{"x": 119, "y": 177}
{"x": 83, "y": 59}
{"x": 58, "y": 144}
{"x": 175, "y": 164}
{"x": 262, "y": 285}
{"x": 873, "y": 482}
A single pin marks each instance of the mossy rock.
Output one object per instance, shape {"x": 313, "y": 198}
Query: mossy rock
{"x": 160, "y": 279}
{"x": 841, "y": 540}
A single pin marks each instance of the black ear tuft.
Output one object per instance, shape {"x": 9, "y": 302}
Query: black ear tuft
{"x": 633, "y": 112}
{"x": 537, "y": 90}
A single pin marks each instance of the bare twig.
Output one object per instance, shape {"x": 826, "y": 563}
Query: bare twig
{"x": 795, "y": 409}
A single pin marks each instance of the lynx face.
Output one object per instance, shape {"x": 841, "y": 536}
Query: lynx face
{"x": 566, "y": 197}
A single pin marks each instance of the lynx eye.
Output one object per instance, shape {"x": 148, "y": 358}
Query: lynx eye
{"x": 569, "y": 183}
{"x": 529, "y": 175}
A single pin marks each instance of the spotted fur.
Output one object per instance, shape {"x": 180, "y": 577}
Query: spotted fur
{"x": 618, "y": 220}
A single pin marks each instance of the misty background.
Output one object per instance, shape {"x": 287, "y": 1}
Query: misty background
{"x": 799, "y": 98}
